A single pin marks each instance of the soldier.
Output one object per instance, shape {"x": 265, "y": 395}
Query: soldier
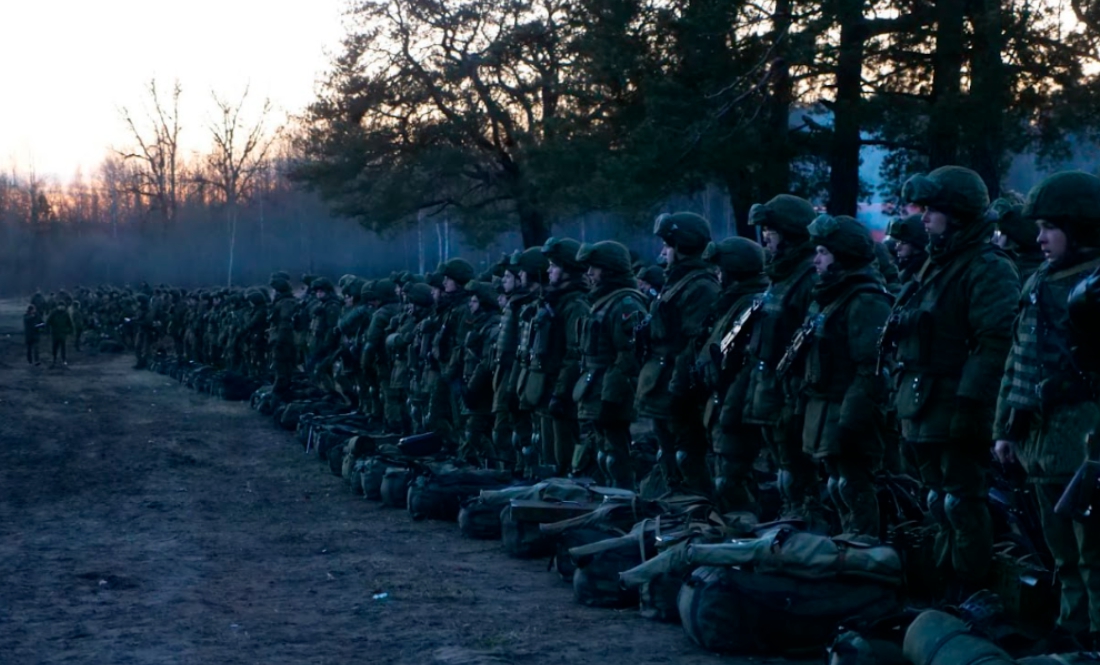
{"x": 1047, "y": 403}
{"x": 555, "y": 355}
{"x": 1017, "y": 235}
{"x": 400, "y": 348}
{"x": 280, "y": 333}
{"x": 676, "y": 319}
{"x": 61, "y": 326}
{"x": 144, "y": 325}
{"x": 650, "y": 280}
{"x": 723, "y": 372}
{"x": 324, "y": 342}
{"x": 482, "y": 327}
{"x": 382, "y": 299}
{"x": 843, "y": 394}
{"x": 444, "y": 378}
{"x": 79, "y": 324}
{"x": 952, "y": 328}
{"x": 911, "y": 240}
{"x": 532, "y": 269}
{"x": 604, "y": 392}
{"x": 513, "y": 295}
{"x": 32, "y": 326}
{"x": 783, "y": 222}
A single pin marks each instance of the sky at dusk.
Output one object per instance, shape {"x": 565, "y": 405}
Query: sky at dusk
{"x": 68, "y": 66}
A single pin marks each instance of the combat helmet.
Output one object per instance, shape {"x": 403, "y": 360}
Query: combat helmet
{"x": 787, "y": 214}
{"x": 563, "y": 252}
{"x": 908, "y": 229}
{"x": 849, "y": 241}
{"x": 485, "y": 293}
{"x": 1069, "y": 200}
{"x": 954, "y": 190}
{"x": 322, "y": 284}
{"x": 687, "y": 232}
{"x": 737, "y": 256}
{"x": 531, "y": 261}
{"x": 458, "y": 269}
{"x": 419, "y": 294}
{"x": 608, "y": 255}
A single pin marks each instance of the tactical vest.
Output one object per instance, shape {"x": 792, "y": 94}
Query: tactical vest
{"x": 597, "y": 331}
{"x": 666, "y": 336}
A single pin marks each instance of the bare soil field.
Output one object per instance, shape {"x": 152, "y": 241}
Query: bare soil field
{"x": 141, "y": 522}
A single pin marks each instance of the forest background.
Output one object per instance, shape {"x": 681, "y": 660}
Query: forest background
{"x": 474, "y": 127}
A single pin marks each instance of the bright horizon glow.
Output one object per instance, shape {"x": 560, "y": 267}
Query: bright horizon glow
{"x": 67, "y": 67}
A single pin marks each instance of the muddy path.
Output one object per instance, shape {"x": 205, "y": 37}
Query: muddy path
{"x": 141, "y": 522}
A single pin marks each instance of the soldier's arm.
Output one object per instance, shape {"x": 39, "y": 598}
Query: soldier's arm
{"x": 992, "y": 297}
{"x": 571, "y": 362}
{"x": 866, "y": 316}
{"x": 698, "y": 301}
{"x": 618, "y": 383}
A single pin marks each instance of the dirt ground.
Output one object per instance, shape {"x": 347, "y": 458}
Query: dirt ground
{"x": 141, "y": 522}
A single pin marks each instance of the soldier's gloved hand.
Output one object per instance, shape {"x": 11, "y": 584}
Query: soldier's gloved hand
{"x": 559, "y": 408}
{"x": 972, "y": 423}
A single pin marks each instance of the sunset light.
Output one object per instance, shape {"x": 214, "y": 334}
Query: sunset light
{"x": 69, "y": 66}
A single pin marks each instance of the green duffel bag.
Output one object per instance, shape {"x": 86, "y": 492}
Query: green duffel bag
{"x": 395, "y": 486}
{"x": 734, "y": 611}
{"x": 596, "y": 579}
{"x": 479, "y": 520}
{"x": 523, "y": 540}
{"x": 937, "y": 638}
{"x": 371, "y": 477}
{"x": 439, "y": 494}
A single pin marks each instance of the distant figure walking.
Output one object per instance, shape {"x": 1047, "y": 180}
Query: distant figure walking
{"x": 32, "y": 328}
{"x": 61, "y": 326}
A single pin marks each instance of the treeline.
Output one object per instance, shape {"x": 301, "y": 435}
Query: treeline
{"x": 514, "y": 115}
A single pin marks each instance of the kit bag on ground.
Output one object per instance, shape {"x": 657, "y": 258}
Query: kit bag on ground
{"x": 395, "y": 486}
{"x": 479, "y": 520}
{"x": 740, "y": 612}
{"x": 598, "y": 566}
{"x": 438, "y": 494}
{"x": 937, "y": 638}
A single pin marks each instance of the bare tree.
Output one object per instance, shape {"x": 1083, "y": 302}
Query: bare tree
{"x": 157, "y": 152}
{"x": 237, "y": 159}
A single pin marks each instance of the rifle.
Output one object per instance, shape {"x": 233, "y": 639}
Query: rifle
{"x": 1081, "y": 500}
{"x": 798, "y": 342}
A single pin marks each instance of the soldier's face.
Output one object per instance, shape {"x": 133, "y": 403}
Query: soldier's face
{"x": 594, "y": 275}
{"x": 449, "y": 285}
{"x": 555, "y": 273}
{"x": 772, "y": 240}
{"x": 1052, "y": 241}
{"x": 823, "y": 259}
{"x": 668, "y": 253}
{"x": 523, "y": 278}
{"x": 475, "y": 304}
{"x": 935, "y": 222}
{"x": 508, "y": 282}
{"x": 905, "y": 250}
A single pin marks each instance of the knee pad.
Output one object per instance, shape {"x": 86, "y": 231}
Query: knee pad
{"x": 936, "y": 505}
{"x": 681, "y": 457}
{"x": 720, "y": 484}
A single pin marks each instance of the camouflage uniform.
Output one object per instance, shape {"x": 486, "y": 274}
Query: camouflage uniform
{"x": 604, "y": 391}
{"x": 482, "y": 327}
{"x": 666, "y": 390}
{"x": 952, "y": 329}
{"x": 401, "y": 347}
{"x": 445, "y": 379}
{"x": 770, "y": 402}
{"x": 843, "y": 394}
{"x": 532, "y": 266}
{"x": 555, "y": 355}
{"x": 280, "y": 334}
{"x": 723, "y": 372}
{"x": 1046, "y": 406}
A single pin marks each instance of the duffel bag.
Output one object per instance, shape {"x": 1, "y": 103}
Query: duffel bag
{"x": 395, "y": 486}
{"x": 738, "y": 612}
{"x": 439, "y": 495}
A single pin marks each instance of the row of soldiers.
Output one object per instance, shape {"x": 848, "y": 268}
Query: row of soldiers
{"x": 836, "y": 360}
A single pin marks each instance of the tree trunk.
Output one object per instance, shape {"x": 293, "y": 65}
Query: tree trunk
{"x": 231, "y": 214}
{"x": 776, "y": 172}
{"x": 943, "y": 126}
{"x": 988, "y": 96}
{"x": 532, "y": 226}
{"x": 844, "y": 151}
